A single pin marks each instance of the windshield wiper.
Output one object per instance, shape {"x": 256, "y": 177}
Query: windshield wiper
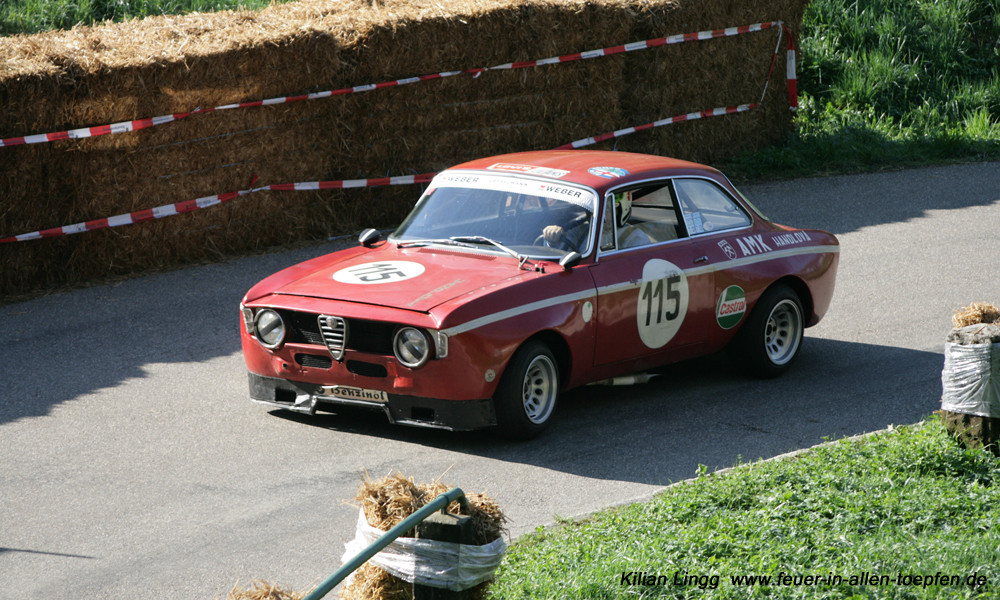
{"x": 480, "y": 239}
{"x": 466, "y": 241}
{"x": 443, "y": 241}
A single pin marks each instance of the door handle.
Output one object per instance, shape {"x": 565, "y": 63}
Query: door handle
{"x": 701, "y": 259}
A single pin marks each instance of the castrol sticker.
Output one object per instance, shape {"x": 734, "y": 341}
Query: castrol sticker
{"x": 379, "y": 272}
{"x": 731, "y": 307}
{"x": 662, "y": 302}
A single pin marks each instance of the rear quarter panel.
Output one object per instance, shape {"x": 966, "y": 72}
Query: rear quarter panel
{"x": 804, "y": 259}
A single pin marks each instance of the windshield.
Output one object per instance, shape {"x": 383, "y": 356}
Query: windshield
{"x": 533, "y": 217}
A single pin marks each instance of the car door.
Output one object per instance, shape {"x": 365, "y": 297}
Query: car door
{"x": 717, "y": 223}
{"x": 655, "y": 285}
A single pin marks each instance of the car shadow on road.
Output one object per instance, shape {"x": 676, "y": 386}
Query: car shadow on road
{"x": 700, "y": 412}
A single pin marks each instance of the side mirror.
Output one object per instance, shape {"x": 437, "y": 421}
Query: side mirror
{"x": 369, "y": 237}
{"x": 570, "y": 260}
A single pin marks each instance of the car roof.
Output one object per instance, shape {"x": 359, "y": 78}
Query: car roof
{"x": 599, "y": 169}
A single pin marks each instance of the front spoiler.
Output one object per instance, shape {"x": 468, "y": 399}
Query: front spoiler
{"x": 308, "y": 398}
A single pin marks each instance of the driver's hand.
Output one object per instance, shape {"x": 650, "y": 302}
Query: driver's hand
{"x": 552, "y": 234}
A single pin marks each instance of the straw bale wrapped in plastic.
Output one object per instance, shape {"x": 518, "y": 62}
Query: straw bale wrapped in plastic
{"x": 390, "y": 574}
{"x": 444, "y": 565}
{"x": 970, "y": 380}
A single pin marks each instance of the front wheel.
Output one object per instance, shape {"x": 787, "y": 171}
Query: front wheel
{"x": 527, "y": 393}
{"x": 771, "y": 337}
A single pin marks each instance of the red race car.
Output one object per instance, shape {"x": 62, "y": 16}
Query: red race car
{"x": 520, "y": 276}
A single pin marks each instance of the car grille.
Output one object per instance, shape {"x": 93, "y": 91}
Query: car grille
{"x": 315, "y": 361}
{"x": 334, "y": 332}
{"x": 302, "y": 328}
{"x": 339, "y": 334}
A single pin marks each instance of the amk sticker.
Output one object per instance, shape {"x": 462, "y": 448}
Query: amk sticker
{"x": 732, "y": 305}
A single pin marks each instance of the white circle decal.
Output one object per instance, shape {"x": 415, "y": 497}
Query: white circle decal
{"x": 379, "y": 272}
{"x": 662, "y": 303}
{"x": 588, "y": 311}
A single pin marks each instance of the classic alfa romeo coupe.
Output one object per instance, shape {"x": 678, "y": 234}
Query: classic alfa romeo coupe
{"x": 518, "y": 277}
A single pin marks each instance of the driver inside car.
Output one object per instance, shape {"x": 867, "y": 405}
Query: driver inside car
{"x": 570, "y": 236}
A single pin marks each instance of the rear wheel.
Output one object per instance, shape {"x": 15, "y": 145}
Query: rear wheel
{"x": 770, "y": 340}
{"x": 526, "y": 396}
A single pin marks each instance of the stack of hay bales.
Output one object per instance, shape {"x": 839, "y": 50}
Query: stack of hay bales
{"x": 385, "y": 502}
{"x": 970, "y": 404}
{"x": 110, "y": 73}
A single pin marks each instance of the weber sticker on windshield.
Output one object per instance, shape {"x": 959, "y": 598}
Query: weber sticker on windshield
{"x": 379, "y": 272}
{"x": 662, "y": 303}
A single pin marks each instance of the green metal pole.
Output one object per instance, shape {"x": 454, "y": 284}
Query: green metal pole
{"x": 439, "y": 503}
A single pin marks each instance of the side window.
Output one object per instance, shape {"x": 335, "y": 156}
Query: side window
{"x": 707, "y": 208}
{"x": 640, "y": 216}
{"x": 654, "y": 217}
{"x": 608, "y": 225}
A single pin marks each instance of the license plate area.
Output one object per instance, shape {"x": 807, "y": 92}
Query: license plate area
{"x": 345, "y": 392}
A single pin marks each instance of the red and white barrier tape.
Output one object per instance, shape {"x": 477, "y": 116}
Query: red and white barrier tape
{"x": 643, "y": 45}
{"x": 714, "y": 112}
{"x": 207, "y": 201}
{"x": 344, "y": 184}
{"x": 168, "y": 210}
{"x": 790, "y": 76}
{"x": 192, "y": 205}
{"x": 136, "y": 125}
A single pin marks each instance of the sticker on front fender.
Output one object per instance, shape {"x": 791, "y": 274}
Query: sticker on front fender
{"x": 353, "y": 393}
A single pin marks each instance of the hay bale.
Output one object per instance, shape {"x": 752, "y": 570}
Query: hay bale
{"x": 386, "y": 502}
{"x": 162, "y": 65}
{"x": 977, "y": 312}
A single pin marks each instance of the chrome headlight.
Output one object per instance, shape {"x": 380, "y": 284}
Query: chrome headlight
{"x": 411, "y": 346}
{"x": 270, "y": 328}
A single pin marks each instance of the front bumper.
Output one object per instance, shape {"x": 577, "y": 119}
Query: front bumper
{"x": 454, "y": 415}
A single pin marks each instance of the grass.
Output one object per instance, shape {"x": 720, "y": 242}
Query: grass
{"x": 890, "y": 84}
{"x": 899, "y": 503}
{"x": 883, "y": 83}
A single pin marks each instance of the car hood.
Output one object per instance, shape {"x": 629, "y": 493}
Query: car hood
{"x": 413, "y": 278}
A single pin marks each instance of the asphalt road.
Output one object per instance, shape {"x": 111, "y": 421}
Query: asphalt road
{"x": 133, "y": 466}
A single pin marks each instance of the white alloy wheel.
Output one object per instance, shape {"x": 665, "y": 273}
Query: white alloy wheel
{"x": 541, "y": 381}
{"x": 528, "y": 391}
{"x": 783, "y": 332}
{"x": 771, "y": 337}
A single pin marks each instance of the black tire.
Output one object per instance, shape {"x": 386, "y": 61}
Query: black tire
{"x": 771, "y": 337}
{"x": 527, "y": 393}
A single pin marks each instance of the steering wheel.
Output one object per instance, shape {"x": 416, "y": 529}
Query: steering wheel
{"x": 575, "y": 222}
